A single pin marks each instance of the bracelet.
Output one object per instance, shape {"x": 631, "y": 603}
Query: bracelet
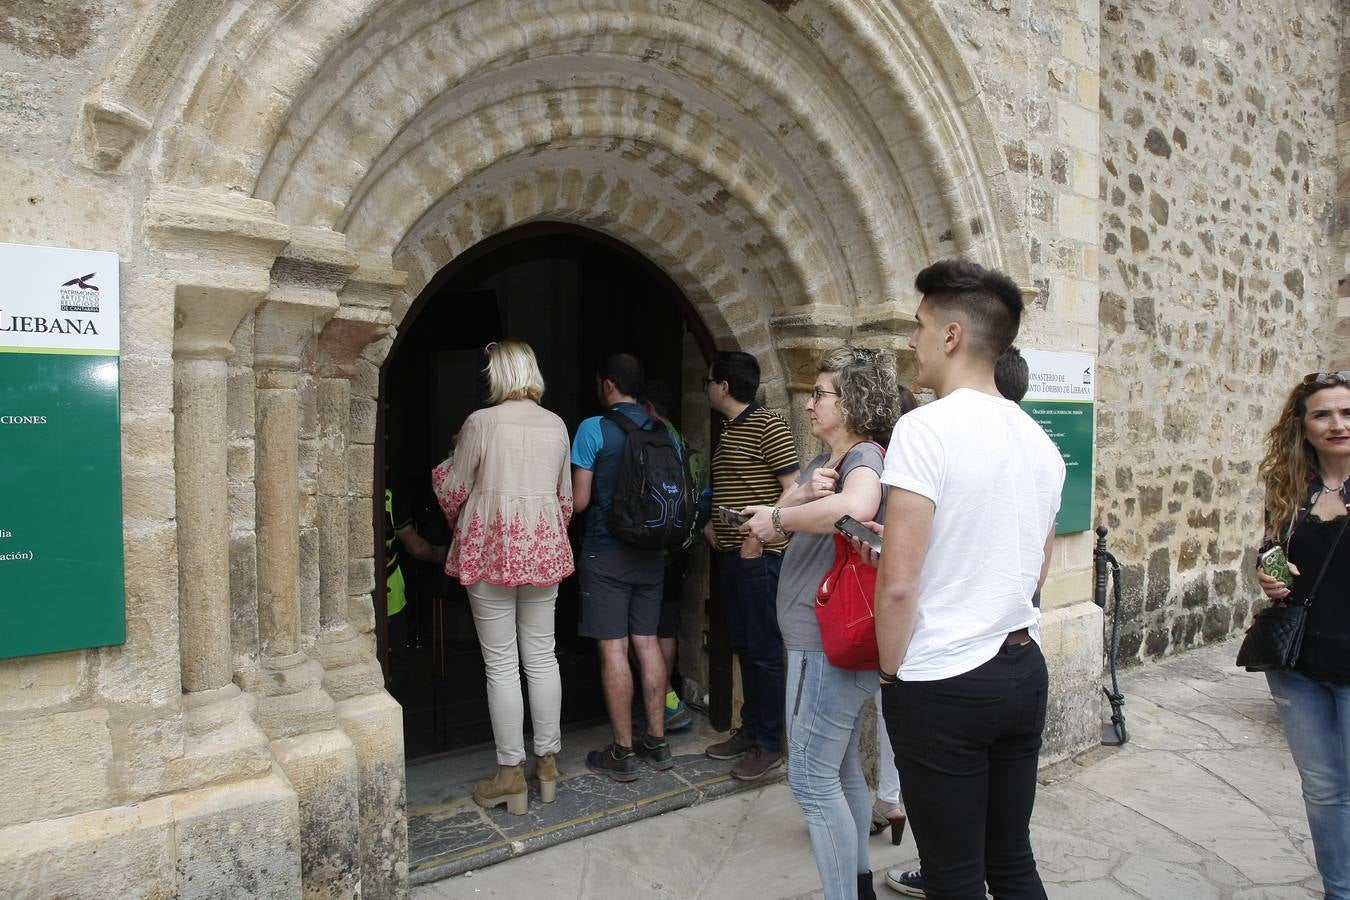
{"x": 889, "y": 678}
{"x": 778, "y": 521}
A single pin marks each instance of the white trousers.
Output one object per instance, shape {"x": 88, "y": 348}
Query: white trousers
{"x": 888, "y": 779}
{"x": 507, "y": 617}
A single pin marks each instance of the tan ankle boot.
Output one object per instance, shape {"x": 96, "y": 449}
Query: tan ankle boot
{"x": 546, "y": 770}
{"x": 508, "y": 786}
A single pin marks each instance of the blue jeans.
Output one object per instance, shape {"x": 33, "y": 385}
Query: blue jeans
{"x": 824, "y": 725}
{"x": 1316, "y": 719}
{"x": 750, "y": 587}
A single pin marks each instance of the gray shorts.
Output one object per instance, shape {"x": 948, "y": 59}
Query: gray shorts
{"x": 620, "y": 592}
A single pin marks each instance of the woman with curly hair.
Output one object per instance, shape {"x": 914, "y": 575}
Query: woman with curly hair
{"x": 1307, "y": 478}
{"x": 853, "y": 407}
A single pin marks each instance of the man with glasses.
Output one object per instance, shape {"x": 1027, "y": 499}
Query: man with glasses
{"x": 754, "y": 462}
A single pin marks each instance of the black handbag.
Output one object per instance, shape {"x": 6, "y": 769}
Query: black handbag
{"x": 1275, "y": 639}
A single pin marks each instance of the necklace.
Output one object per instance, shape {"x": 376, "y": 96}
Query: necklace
{"x": 1329, "y": 490}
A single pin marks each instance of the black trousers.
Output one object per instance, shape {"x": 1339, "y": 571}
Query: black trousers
{"x": 966, "y": 748}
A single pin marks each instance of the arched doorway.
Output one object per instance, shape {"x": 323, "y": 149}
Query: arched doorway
{"x": 575, "y": 295}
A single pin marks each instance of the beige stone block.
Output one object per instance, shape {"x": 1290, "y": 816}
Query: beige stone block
{"x": 1071, "y": 639}
{"x": 307, "y": 588}
{"x": 1078, "y": 217}
{"x": 36, "y": 682}
{"x": 238, "y": 839}
{"x": 1089, "y": 89}
{"x": 322, "y": 768}
{"x": 360, "y": 527}
{"x": 375, "y": 725}
{"x": 55, "y": 764}
{"x": 243, "y": 596}
{"x": 361, "y": 576}
{"x": 1085, "y": 174}
{"x": 1066, "y": 588}
{"x": 145, "y": 383}
{"x": 361, "y": 469}
{"x": 125, "y": 851}
{"x": 1077, "y": 126}
{"x": 363, "y": 413}
{"x": 148, "y": 487}
{"x": 361, "y": 612}
{"x": 1080, "y": 43}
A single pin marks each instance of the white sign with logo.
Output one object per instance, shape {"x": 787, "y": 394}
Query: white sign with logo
{"x": 58, "y": 299}
{"x": 1053, "y": 375}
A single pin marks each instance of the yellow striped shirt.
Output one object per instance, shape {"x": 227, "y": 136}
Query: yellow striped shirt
{"x": 755, "y": 449}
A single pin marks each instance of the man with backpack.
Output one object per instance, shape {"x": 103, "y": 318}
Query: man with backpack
{"x": 629, "y": 473}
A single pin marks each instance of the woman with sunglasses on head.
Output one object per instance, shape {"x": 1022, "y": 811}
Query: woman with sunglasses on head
{"x": 853, "y": 407}
{"x": 507, "y": 493}
{"x": 1306, "y": 472}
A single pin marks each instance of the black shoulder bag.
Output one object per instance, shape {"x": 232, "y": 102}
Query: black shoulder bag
{"x": 1275, "y": 639}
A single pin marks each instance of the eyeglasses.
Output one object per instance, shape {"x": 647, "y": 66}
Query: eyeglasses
{"x": 817, "y": 393}
{"x": 1326, "y": 377}
{"x": 707, "y": 381}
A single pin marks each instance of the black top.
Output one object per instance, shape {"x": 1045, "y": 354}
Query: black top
{"x": 1326, "y": 642}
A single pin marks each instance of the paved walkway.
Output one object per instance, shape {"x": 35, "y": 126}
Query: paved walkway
{"x": 1202, "y": 804}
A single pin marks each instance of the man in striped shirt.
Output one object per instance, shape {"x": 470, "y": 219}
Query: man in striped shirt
{"x": 755, "y": 461}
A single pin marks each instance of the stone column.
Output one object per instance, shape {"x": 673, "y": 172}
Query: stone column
{"x": 293, "y": 707}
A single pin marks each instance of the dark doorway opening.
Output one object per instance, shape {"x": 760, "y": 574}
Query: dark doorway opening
{"x": 575, "y": 296}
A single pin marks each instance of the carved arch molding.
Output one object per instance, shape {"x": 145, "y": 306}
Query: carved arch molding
{"x": 790, "y": 165}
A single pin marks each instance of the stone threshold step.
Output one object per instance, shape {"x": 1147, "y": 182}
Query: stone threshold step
{"x": 457, "y": 837}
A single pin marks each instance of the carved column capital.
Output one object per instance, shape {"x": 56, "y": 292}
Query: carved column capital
{"x": 218, "y": 249}
{"x": 347, "y": 334}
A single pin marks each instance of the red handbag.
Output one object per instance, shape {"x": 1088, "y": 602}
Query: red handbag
{"x": 846, "y": 609}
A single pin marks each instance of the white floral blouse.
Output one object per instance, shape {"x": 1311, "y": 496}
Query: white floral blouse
{"x": 507, "y": 494}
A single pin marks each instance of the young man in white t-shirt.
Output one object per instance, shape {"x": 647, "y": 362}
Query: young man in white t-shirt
{"x": 974, "y": 487}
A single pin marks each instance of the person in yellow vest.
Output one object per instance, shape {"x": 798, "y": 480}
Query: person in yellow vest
{"x": 400, "y": 530}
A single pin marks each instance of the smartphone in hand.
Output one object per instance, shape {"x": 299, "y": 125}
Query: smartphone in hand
{"x": 851, "y": 527}
{"x": 1276, "y": 565}
{"x": 731, "y": 516}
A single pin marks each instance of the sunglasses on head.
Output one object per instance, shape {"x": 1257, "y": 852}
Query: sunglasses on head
{"x": 1341, "y": 377}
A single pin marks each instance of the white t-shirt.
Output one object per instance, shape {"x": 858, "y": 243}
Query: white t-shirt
{"x": 994, "y": 477}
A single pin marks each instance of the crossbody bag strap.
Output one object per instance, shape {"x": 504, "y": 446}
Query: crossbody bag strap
{"x": 839, "y": 485}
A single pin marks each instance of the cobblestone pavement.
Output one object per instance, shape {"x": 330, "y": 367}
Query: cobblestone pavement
{"x": 1202, "y": 804}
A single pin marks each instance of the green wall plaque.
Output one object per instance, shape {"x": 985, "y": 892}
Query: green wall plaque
{"x": 1060, "y": 397}
{"x": 61, "y": 582}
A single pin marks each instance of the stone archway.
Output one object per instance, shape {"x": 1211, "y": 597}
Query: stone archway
{"x": 309, "y": 166}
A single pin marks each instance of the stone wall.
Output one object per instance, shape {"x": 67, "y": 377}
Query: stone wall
{"x": 1219, "y": 158}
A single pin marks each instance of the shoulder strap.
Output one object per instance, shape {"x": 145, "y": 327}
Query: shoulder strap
{"x": 839, "y": 485}
{"x": 618, "y": 418}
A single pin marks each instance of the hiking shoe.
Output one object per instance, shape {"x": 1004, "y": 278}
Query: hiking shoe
{"x": 734, "y": 747}
{"x": 757, "y": 762}
{"x": 678, "y": 717}
{"x": 619, "y": 763}
{"x": 655, "y": 751}
{"x": 909, "y": 883}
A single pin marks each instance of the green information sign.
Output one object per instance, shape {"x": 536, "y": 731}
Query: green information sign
{"x": 1060, "y": 398}
{"x": 61, "y": 582}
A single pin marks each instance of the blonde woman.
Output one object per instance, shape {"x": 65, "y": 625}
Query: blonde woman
{"x": 507, "y": 494}
{"x": 1306, "y": 472}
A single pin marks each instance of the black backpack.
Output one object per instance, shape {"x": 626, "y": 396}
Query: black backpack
{"x": 653, "y": 502}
